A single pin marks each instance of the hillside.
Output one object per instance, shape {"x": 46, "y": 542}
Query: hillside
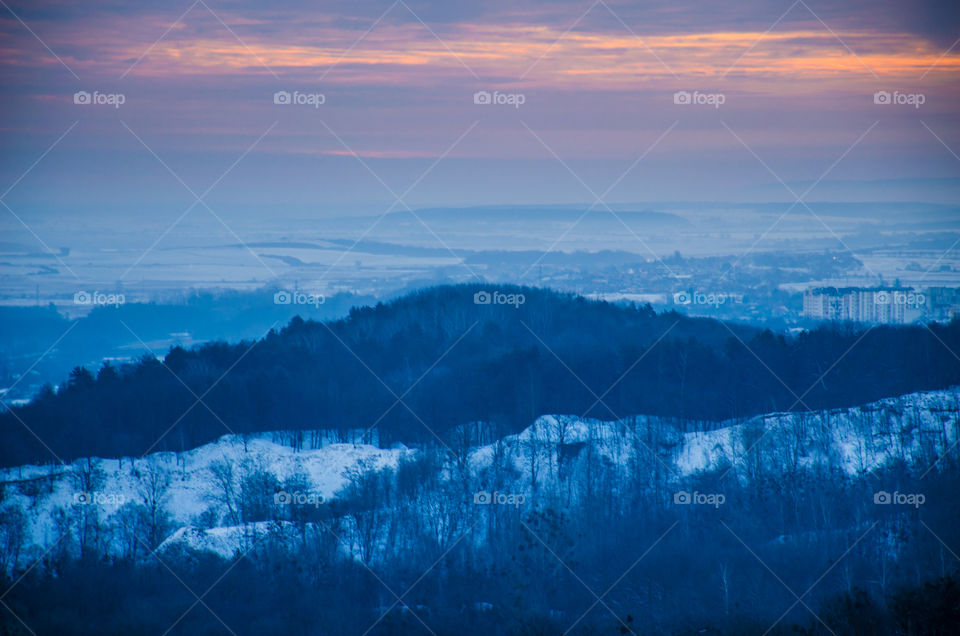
{"x": 866, "y": 487}
{"x": 421, "y": 366}
{"x": 535, "y": 464}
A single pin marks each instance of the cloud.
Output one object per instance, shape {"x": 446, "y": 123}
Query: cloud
{"x": 598, "y": 85}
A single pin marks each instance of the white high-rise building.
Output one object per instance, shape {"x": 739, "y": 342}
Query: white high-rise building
{"x": 887, "y": 305}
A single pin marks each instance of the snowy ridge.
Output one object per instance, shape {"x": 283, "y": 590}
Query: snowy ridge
{"x": 45, "y": 493}
{"x": 538, "y": 463}
{"x": 916, "y": 428}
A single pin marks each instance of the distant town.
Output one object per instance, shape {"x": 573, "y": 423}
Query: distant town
{"x": 885, "y": 305}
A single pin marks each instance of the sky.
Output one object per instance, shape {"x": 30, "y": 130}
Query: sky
{"x": 589, "y": 100}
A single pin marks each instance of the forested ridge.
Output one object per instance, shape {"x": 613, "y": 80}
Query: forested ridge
{"x": 453, "y": 361}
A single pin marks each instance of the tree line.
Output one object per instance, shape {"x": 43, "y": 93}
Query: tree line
{"x": 418, "y": 368}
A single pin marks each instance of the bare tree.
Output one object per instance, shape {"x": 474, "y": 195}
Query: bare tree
{"x": 88, "y": 480}
{"x": 258, "y": 485}
{"x": 153, "y": 486}
{"x": 129, "y": 522}
{"x": 367, "y": 496}
{"x": 532, "y": 445}
{"x": 13, "y": 524}
{"x": 224, "y": 480}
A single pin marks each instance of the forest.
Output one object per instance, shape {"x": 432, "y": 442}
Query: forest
{"x": 595, "y": 547}
{"x": 422, "y": 365}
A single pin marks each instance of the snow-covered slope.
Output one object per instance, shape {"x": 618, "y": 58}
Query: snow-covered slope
{"x": 917, "y": 429}
{"x": 853, "y": 441}
{"x": 45, "y": 493}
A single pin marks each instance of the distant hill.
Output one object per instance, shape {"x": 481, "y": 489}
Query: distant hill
{"x": 422, "y": 365}
{"x": 533, "y": 213}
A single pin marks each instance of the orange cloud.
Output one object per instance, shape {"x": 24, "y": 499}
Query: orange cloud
{"x": 544, "y": 58}
{"x": 526, "y": 54}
